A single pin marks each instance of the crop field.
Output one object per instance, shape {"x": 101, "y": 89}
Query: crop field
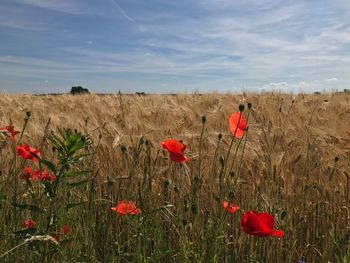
{"x": 175, "y": 178}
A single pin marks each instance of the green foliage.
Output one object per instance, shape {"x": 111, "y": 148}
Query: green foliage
{"x": 78, "y": 90}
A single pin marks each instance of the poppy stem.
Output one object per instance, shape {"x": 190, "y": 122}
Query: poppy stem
{"x": 200, "y": 146}
{"x": 232, "y": 140}
{"x": 245, "y": 143}
{"x": 215, "y": 156}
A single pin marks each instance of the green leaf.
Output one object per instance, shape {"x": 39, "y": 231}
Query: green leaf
{"x": 72, "y": 205}
{"x": 78, "y": 173}
{"x": 49, "y": 165}
{"x": 283, "y": 215}
{"x": 48, "y": 189}
{"x": 78, "y": 158}
{"x": 29, "y": 207}
{"x": 76, "y": 184}
{"x": 30, "y": 231}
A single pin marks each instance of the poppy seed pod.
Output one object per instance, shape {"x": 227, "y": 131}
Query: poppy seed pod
{"x": 204, "y": 119}
{"x": 220, "y": 136}
{"x": 249, "y": 105}
{"x": 241, "y": 107}
{"x": 336, "y": 159}
{"x": 123, "y": 149}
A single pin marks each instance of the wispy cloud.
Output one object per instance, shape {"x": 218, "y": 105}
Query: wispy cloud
{"x": 63, "y": 6}
{"x": 203, "y": 45}
{"x": 115, "y": 3}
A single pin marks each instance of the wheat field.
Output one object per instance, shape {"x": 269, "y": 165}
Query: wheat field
{"x": 294, "y": 162}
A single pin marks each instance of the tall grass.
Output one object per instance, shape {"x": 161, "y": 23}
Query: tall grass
{"x": 293, "y": 163}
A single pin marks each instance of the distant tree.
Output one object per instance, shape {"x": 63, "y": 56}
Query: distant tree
{"x": 79, "y": 90}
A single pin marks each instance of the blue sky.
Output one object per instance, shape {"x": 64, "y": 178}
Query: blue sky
{"x": 174, "y": 46}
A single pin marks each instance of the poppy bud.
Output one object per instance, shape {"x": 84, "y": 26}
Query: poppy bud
{"x": 109, "y": 181}
{"x": 100, "y": 136}
{"x": 204, "y": 119}
{"x": 222, "y": 160}
{"x": 53, "y": 148}
{"x": 28, "y": 113}
{"x": 194, "y": 209}
{"x": 231, "y": 195}
{"x": 123, "y": 149}
{"x": 249, "y": 105}
{"x": 219, "y": 136}
{"x": 186, "y": 205}
{"x": 166, "y": 184}
{"x": 336, "y": 159}
{"x": 241, "y": 107}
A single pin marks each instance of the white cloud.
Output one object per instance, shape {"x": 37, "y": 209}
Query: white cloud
{"x": 63, "y": 6}
{"x": 332, "y": 80}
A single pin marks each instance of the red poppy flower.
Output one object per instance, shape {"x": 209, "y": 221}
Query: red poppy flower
{"x": 230, "y": 207}
{"x": 27, "y": 152}
{"x": 176, "y": 150}
{"x": 56, "y": 237}
{"x": 29, "y": 223}
{"x": 10, "y": 131}
{"x": 27, "y": 173}
{"x": 44, "y": 175}
{"x": 238, "y": 124}
{"x": 260, "y": 224}
{"x": 126, "y": 207}
{"x": 66, "y": 229}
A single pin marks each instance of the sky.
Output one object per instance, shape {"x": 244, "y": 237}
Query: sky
{"x": 162, "y": 46}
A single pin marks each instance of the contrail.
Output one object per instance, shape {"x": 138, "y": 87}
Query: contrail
{"x": 122, "y": 11}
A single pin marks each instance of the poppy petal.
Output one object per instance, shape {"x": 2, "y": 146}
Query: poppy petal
{"x": 174, "y": 146}
{"x": 267, "y": 219}
{"x": 238, "y": 124}
{"x": 126, "y": 207}
{"x": 230, "y": 207}
{"x": 278, "y": 233}
{"x": 178, "y": 157}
